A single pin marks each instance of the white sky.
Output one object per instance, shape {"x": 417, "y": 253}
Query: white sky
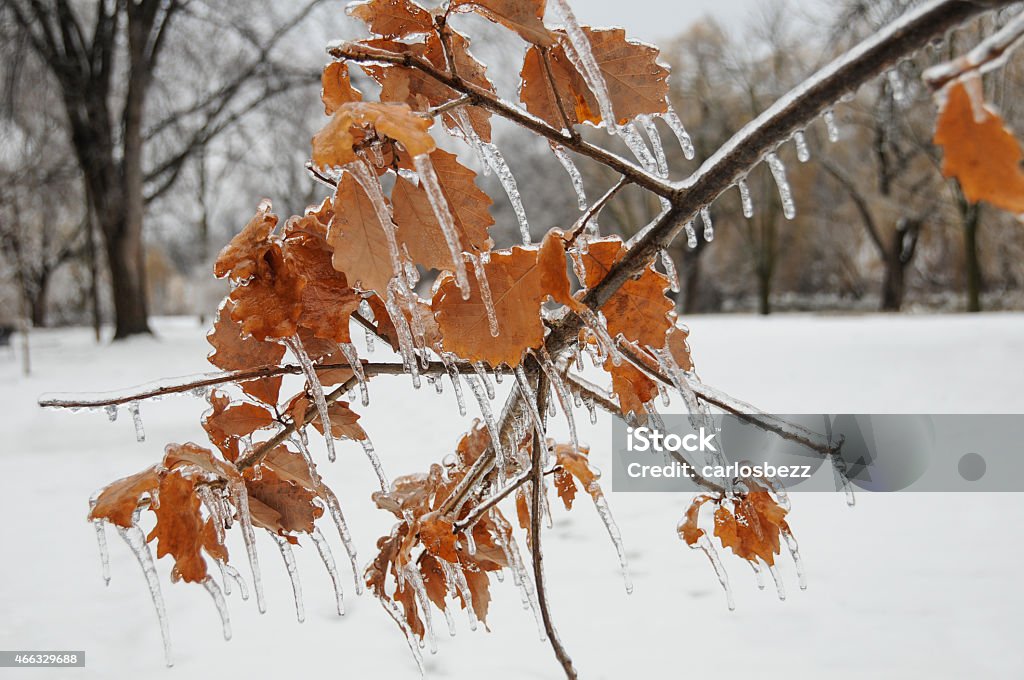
{"x": 655, "y": 20}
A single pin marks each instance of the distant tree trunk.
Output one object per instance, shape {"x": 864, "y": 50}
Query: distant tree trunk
{"x": 691, "y": 280}
{"x": 897, "y": 257}
{"x": 37, "y": 303}
{"x": 764, "y": 290}
{"x": 971, "y": 214}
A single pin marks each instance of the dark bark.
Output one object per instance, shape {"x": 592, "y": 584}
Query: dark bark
{"x": 971, "y": 214}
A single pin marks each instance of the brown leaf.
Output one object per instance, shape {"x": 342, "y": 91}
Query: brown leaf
{"x": 520, "y": 280}
{"x": 688, "y": 529}
{"x": 525, "y": 17}
{"x": 479, "y": 589}
{"x": 337, "y": 87}
{"x": 118, "y": 500}
{"x": 179, "y": 527}
{"x": 639, "y": 308}
{"x": 269, "y": 305}
{"x": 282, "y": 492}
{"x": 980, "y": 151}
{"x": 227, "y": 443}
{"x": 326, "y": 298}
{"x": 233, "y": 351}
{"x": 632, "y": 386}
{"x": 418, "y": 228}
{"x": 434, "y": 580}
{"x": 195, "y": 456}
{"x": 344, "y": 421}
{"x": 333, "y": 144}
{"x": 752, "y": 530}
{"x": 437, "y": 537}
{"x": 393, "y": 18}
{"x": 360, "y": 246}
{"x": 242, "y": 255}
{"x": 565, "y": 486}
{"x": 679, "y": 348}
{"x": 241, "y": 419}
{"x": 636, "y": 83}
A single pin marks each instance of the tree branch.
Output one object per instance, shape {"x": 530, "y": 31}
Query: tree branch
{"x": 987, "y": 55}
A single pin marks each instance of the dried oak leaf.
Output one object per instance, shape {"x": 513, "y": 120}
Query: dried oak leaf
{"x": 195, "y": 456}
{"x": 227, "y": 443}
{"x": 632, "y": 386}
{"x": 360, "y": 246}
{"x": 688, "y": 529}
{"x": 270, "y": 304}
{"x": 179, "y": 529}
{"x": 242, "y": 255}
{"x": 520, "y": 281}
{"x": 676, "y": 344}
{"x": 418, "y": 228}
{"x": 480, "y": 591}
{"x": 420, "y": 91}
{"x": 333, "y": 144}
{"x": 437, "y": 537}
{"x": 639, "y": 308}
{"x": 235, "y": 351}
{"x": 276, "y": 484}
{"x": 434, "y": 580}
{"x": 525, "y": 17}
{"x": 980, "y": 152}
{"x": 637, "y": 84}
{"x": 344, "y": 421}
{"x": 752, "y": 530}
{"x": 393, "y": 18}
{"x": 337, "y": 87}
{"x": 117, "y": 502}
{"x": 239, "y": 420}
{"x": 326, "y": 298}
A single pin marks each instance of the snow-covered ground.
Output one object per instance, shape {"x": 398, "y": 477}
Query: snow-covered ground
{"x": 903, "y": 585}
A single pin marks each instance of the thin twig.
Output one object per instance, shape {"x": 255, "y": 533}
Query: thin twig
{"x": 448, "y": 106}
{"x": 545, "y": 56}
{"x": 536, "y": 526}
{"x": 988, "y": 54}
{"x": 592, "y": 211}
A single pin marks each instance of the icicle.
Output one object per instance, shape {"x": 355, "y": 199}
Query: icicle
{"x": 601, "y": 503}
{"x": 352, "y": 357}
{"x": 450, "y": 619}
{"x": 520, "y": 574}
{"x": 785, "y": 194}
{"x": 748, "y": 204}
{"x": 459, "y": 579}
{"x": 369, "y": 340}
{"x": 392, "y": 609}
{"x": 508, "y": 183}
{"x": 111, "y": 412}
{"x": 574, "y": 174}
{"x": 579, "y": 47}
{"x": 222, "y": 607}
{"x": 600, "y": 330}
{"x": 704, "y": 543}
{"x": 670, "y": 270}
{"x": 405, "y": 340}
{"x": 439, "y": 204}
{"x": 101, "y": 541}
{"x": 476, "y": 386}
{"x": 659, "y": 150}
{"x": 530, "y": 396}
{"x": 136, "y": 540}
{"x": 896, "y": 86}
{"x": 663, "y": 393}
{"x": 591, "y": 409}
{"x": 370, "y": 184}
{"x": 636, "y": 145}
{"x": 479, "y": 264}
{"x": 803, "y": 154}
{"x": 334, "y": 508}
{"x": 552, "y": 409}
{"x": 324, "y": 549}
{"x": 140, "y": 431}
{"x": 758, "y": 574}
{"x": 229, "y": 574}
{"x": 709, "y": 227}
{"x": 241, "y": 500}
{"x": 691, "y": 236}
{"x": 317, "y": 391}
{"x": 481, "y": 371}
{"x": 293, "y": 573}
{"x": 450, "y": 365}
{"x": 499, "y": 374}
{"x": 794, "y": 552}
{"x": 416, "y": 582}
{"x": 212, "y": 503}
{"x": 685, "y": 142}
{"x": 562, "y": 394}
{"x": 780, "y": 587}
{"x": 830, "y": 124}
{"x": 371, "y": 455}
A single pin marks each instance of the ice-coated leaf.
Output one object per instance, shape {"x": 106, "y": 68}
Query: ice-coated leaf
{"x": 525, "y": 17}
{"x": 392, "y": 18}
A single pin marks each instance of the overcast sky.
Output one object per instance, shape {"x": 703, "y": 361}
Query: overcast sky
{"x": 655, "y": 20}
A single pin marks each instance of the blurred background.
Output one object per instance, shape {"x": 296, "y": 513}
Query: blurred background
{"x": 137, "y": 137}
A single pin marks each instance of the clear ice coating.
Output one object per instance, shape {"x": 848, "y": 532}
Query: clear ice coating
{"x": 676, "y": 125}
{"x": 479, "y": 270}
{"x": 785, "y": 193}
{"x": 574, "y": 174}
{"x": 316, "y": 390}
{"x": 745, "y": 200}
{"x": 327, "y": 556}
{"x": 758, "y": 574}
{"x": 691, "y": 235}
{"x": 704, "y": 543}
{"x": 240, "y": 497}
{"x": 352, "y": 357}
{"x": 476, "y": 386}
{"x": 293, "y": 573}
{"x": 451, "y": 366}
{"x": 101, "y": 540}
{"x": 443, "y": 213}
{"x": 222, "y": 606}
{"x": 415, "y": 581}
{"x": 578, "y": 49}
{"x": 334, "y": 508}
{"x": 896, "y": 86}
{"x": 111, "y": 412}
{"x": 830, "y": 125}
{"x": 794, "y": 552}
{"x": 396, "y": 615}
{"x": 709, "y": 227}
{"x": 140, "y": 431}
{"x": 803, "y": 154}
{"x": 230, "y": 574}
{"x": 562, "y": 394}
{"x": 530, "y": 397}
{"x": 405, "y": 342}
{"x": 508, "y": 183}
{"x": 659, "y": 149}
{"x": 635, "y": 143}
{"x": 481, "y": 370}
{"x": 136, "y": 540}
{"x": 780, "y": 586}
